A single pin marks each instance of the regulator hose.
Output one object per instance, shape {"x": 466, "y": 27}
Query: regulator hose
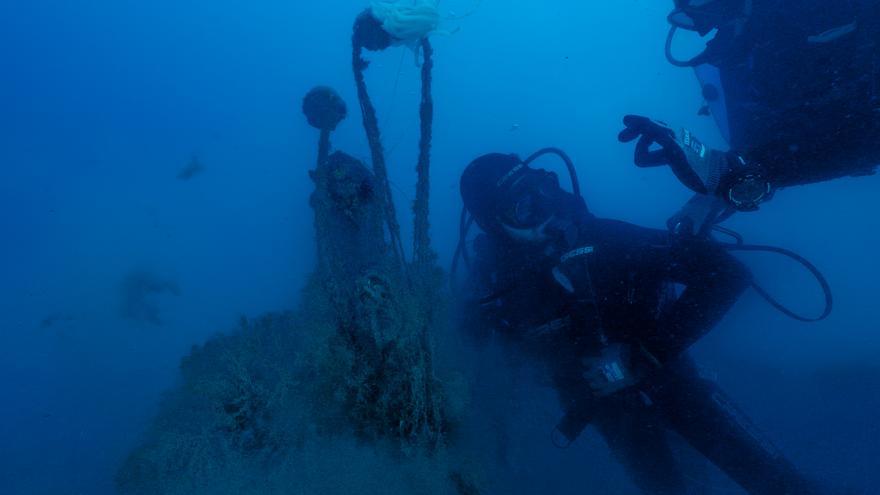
{"x": 699, "y": 59}
{"x": 569, "y": 164}
{"x": 464, "y": 225}
{"x": 740, "y": 245}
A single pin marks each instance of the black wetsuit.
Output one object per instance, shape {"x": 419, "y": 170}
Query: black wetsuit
{"x": 802, "y": 104}
{"x": 625, "y": 298}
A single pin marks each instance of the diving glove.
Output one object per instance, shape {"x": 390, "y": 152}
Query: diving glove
{"x": 704, "y": 170}
{"x": 696, "y": 166}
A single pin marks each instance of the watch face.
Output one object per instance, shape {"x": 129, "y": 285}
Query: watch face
{"x": 749, "y": 192}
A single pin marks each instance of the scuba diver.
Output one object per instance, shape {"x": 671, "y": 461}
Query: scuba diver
{"x": 794, "y": 86}
{"x": 599, "y": 305}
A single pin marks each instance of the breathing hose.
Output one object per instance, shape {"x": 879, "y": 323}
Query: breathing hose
{"x": 464, "y": 225}
{"x": 671, "y": 58}
{"x": 575, "y": 184}
{"x": 740, "y": 245}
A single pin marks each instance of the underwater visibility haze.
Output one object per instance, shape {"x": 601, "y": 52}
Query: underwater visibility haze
{"x": 234, "y": 257}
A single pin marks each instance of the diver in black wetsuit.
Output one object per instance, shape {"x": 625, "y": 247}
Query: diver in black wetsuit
{"x": 795, "y": 86}
{"x": 590, "y": 300}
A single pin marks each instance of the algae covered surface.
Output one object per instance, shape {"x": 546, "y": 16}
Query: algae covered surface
{"x": 342, "y": 395}
{"x": 339, "y": 396}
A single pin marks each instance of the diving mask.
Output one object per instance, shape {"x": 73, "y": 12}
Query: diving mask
{"x": 532, "y": 200}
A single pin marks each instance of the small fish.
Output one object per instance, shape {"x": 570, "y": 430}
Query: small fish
{"x": 833, "y": 34}
{"x": 140, "y": 295}
{"x": 192, "y": 169}
{"x": 514, "y": 128}
{"x": 704, "y": 111}
{"x": 55, "y": 318}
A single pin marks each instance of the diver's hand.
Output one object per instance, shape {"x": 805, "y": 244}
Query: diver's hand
{"x": 697, "y": 217}
{"x": 611, "y": 371}
{"x": 669, "y": 150}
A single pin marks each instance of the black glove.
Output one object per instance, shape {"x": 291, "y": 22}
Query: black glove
{"x": 670, "y": 151}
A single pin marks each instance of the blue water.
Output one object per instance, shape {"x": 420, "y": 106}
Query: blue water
{"x": 103, "y": 103}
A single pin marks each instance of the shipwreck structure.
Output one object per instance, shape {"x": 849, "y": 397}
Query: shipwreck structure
{"x": 342, "y": 394}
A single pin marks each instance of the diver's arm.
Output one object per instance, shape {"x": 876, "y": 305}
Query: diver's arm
{"x": 742, "y": 184}
{"x": 697, "y": 216}
{"x": 713, "y": 281}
